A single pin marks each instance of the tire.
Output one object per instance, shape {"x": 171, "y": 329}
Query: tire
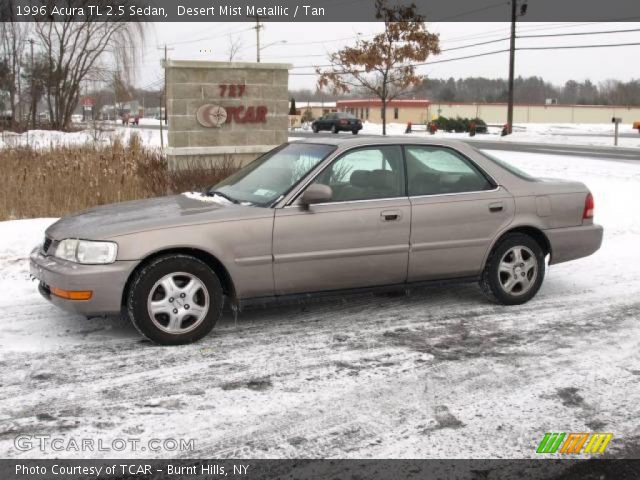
{"x": 315, "y": 128}
{"x": 502, "y": 279}
{"x": 195, "y": 294}
{"x": 334, "y": 129}
{"x": 355, "y": 132}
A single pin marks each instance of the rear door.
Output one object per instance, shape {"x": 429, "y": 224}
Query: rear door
{"x": 326, "y": 122}
{"x": 456, "y": 212}
{"x": 359, "y": 239}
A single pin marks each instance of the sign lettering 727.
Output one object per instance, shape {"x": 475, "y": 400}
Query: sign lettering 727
{"x": 232, "y": 90}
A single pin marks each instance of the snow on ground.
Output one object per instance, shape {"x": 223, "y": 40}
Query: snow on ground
{"x": 105, "y": 135}
{"x": 562, "y": 133}
{"x": 439, "y": 373}
{"x": 566, "y": 134}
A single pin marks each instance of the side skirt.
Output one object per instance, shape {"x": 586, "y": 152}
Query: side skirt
{"x": 302, "y": 297}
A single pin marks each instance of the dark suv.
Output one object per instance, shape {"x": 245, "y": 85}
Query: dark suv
{"x": 336, "y": 122}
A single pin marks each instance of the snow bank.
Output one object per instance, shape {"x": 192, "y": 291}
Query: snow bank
{"x": 43, "y": 139}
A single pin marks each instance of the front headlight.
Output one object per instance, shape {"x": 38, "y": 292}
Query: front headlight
{"x": 87, "y": 251}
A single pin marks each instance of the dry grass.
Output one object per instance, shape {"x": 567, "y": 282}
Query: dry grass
{"x": 60, "y": 180}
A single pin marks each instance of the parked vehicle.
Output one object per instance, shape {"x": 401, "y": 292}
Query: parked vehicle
{"x": 318, "y": 216}
{"x": 337, "y": 122}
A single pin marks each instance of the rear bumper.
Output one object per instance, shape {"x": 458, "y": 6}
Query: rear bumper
{"x": 105, "y": 281}
{"x": 573, "y": 242}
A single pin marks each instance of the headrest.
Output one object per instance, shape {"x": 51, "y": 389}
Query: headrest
{"x": 382, "y": 179}
{"x": 360, "y": 178}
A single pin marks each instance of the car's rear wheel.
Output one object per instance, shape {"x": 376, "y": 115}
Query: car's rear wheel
{"x": 334, "y": 129}
{"x": 175, "y": 299}
{"x": 515, "y": 270}
{"x": 354, "y": 131}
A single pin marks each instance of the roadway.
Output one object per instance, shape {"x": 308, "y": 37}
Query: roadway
{"x": 604, "y": 152}
{"x": 615, "y": 153}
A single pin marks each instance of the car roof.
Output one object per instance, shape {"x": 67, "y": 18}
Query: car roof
{"x": 381, "y": 140}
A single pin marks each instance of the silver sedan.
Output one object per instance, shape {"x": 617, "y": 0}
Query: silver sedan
{"x": 317, "y": 217}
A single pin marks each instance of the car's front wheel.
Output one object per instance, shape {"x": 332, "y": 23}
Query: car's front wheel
{"x": 515, "y": 270}
{"x": 315, "y": 128}
{"x": 354, "y": 131}
{"x": 175, "y": 299}
{"x": 335, "y": 129}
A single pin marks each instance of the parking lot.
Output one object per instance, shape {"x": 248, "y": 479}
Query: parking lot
{"x": 439, "y": 372}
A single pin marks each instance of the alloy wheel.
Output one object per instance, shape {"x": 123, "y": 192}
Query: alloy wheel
{"x": 178, "y": 302}
{"x": 518, "y": 270}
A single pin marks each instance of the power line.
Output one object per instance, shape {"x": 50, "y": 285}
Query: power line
{"x": 414, "y": 65}
{"x": 601, "y": 32}
{"x": 442, "y": 51}
{"x": 596, "y": 45}
{"x": 495, "y": 52}
{"x": 231, "y": 32}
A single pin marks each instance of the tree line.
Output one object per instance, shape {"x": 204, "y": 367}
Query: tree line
{"x": 533, "y": 90}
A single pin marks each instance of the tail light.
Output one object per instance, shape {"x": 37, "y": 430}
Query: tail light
{"x": 589, "y": 206}
{"x": 344, "y": 122}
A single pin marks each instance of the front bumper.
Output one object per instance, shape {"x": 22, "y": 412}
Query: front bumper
{"x": 573, "y": 242}
{"x": 105, "y": 281}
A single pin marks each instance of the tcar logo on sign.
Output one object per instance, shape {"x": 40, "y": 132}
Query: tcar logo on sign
{"x": 573, "y": 443}
{"x": 211, "y": 115}
{"x": 214, "y": 116}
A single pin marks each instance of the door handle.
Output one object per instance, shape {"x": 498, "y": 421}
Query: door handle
{"x": 390, "y": 215}
{"x": 496, "y": 207}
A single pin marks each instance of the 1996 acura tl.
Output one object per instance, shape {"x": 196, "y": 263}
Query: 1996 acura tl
{"x": 317, "y": 216}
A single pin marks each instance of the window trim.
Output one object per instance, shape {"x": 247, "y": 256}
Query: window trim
{"x": 494, "y": 184}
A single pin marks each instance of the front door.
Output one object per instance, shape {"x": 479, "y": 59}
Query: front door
{"x": 358, "y": 239}
{"x": 456, "y": 213}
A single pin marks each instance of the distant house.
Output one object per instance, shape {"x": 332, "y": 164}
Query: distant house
{"x": 316, "y": 109}
{"x": 398, "y": 111}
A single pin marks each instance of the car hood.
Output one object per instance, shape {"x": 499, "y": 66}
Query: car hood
{"x": 124, "y": 218}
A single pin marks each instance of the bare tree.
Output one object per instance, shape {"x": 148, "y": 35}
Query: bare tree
{"x": 234, "y": 46}
{"x": 76, "y": 47}
{"x": 12, "y": 44}
{"x": 384, "y": 65}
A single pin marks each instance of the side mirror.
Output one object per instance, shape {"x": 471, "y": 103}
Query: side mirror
{"x": 316, "y": 193}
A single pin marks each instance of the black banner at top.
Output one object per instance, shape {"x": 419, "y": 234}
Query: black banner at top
{"x": 314, "y": 10}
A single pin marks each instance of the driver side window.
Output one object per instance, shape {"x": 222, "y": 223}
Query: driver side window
{"x": 366, "y": 174}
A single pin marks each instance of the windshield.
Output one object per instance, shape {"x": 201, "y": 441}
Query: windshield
{"x": 269, "y": 177}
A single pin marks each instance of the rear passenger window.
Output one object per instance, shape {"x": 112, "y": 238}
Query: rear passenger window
{"x": 438, "y": 170}
{"x": 366, "y": 174}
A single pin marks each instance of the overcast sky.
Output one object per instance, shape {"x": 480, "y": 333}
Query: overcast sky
{"x": 307, "y": 44}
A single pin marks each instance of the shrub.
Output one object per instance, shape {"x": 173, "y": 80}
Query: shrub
{"x": 460, "y": 124}
{"x": 60, "y": 180}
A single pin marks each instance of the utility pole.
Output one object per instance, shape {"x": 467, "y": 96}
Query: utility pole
{"x": 161, "y": 136}
{"x": 165, "y": 82}
{"x": 512, "y": 58}
{"x": 257, "y": 28}
{"x": 33, "y": 103}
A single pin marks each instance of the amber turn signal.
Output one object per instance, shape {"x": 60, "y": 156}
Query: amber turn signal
{"x": 72, "y": 294}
